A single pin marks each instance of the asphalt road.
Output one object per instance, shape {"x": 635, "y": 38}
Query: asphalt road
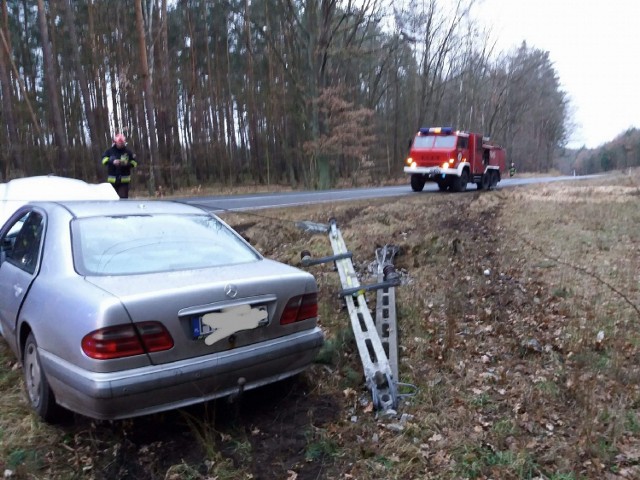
{"x": 260, "y": 201}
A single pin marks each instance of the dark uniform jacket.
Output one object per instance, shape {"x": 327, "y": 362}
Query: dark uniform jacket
{"x": 119, "y": 173}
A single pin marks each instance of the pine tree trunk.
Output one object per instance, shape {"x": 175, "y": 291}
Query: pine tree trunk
{"x": 54, "y": 92}
{"x": 11, "y": 162}
{"x": 82, "y": 78}
{"x": 148, "y": 100}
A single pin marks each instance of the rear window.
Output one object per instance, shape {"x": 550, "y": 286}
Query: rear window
{"x": 137, "y": 244}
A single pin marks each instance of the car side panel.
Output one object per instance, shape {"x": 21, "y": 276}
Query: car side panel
{"x": 15, "y": 277}
{"x": 61, "y": 310}
{"x": 14, "y": 285}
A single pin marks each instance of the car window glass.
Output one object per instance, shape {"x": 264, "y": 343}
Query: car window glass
{"x": 136, "y": 244}
{"x": 21, "y": 244}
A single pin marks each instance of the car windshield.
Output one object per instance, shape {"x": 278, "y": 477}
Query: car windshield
{"x": 138, "y": 244}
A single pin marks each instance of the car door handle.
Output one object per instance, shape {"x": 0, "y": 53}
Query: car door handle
{"x": 17, "y": 290}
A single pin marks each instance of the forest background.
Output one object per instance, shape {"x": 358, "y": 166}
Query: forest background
{"x": 301, "y": 93}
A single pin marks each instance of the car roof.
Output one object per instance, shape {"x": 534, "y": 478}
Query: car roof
{"x": 51, "y": 187}
{"x": 92, "y": 208}
{"x": 17, "y": 192}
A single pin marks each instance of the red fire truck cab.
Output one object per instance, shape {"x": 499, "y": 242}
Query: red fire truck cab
{"x": 453, "y": 159}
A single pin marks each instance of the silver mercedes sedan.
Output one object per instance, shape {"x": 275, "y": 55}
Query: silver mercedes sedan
{"x": 125, "y": 308}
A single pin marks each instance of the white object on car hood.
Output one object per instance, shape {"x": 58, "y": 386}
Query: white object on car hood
{"x": 20, "y": 191}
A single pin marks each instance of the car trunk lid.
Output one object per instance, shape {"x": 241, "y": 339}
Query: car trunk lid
{"x": 213, "y": 309}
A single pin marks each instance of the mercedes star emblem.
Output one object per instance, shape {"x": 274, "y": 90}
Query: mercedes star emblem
{"x": 231, "y": 290}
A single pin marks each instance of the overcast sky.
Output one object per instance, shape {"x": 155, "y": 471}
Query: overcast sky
{"x": 595, "y": 48}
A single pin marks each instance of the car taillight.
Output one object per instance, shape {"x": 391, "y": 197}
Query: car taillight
{"x": 154, "y": 336}
{"x": 300, "y": 308}
{"x": 124, "y": 341}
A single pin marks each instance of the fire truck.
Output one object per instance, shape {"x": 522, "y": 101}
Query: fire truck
{"x": 454, "y": 159}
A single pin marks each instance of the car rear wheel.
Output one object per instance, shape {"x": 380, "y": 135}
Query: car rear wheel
{"x": 39, "y": 393}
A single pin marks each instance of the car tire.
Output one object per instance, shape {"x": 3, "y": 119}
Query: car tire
{"x": 39, "y": 394}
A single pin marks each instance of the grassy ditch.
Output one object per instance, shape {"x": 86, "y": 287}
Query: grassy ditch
{"x": 518, "y": 320}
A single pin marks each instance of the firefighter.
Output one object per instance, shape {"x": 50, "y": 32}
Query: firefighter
{"x": 119, "y": 161}
{"x": 512, "y": 169}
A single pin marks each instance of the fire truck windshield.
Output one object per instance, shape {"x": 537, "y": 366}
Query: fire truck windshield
{"x": 423, "y": 141}
{"x": 448, "y": 141}
{"x": 435, "y": 141}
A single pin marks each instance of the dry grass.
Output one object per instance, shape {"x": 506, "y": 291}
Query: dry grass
{"x": 529, "y": 371}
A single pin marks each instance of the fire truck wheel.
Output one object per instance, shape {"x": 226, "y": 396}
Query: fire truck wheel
{"x": 494, "y": 179}
{"x": 463, "y": 181}
{"x": 417, "y": 182}
{"x": 486, "y": 180}
{"x": 459, "y": 184}
{"x": 442, "y": 184}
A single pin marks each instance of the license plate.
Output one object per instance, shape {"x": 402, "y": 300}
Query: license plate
{"x": 225, "y": 322}
{"x": 198, "y": 329}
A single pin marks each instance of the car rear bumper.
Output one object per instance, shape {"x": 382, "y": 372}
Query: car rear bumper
{"x": 155, "y": 388}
